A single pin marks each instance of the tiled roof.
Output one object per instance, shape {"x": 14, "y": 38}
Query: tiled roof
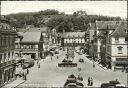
{"x": 30, "y": 37}
{"x": 73, "y": 34}
{"x": 121, "y": 30}
{"x": 107, "y": 24}
{"x": 41, "y": 29}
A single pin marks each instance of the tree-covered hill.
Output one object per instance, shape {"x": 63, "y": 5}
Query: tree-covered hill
{"x": 78, "y": 21}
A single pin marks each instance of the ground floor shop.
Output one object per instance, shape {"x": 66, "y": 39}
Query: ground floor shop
{"x": 8, "y": 74}
{"x": 33, "y": 54}
{"x": 117, "y": 63}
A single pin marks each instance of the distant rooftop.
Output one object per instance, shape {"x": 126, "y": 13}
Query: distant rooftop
{"x": 30, "y": 37}
{"x": 103, "y": 25}
{"x": 121, "y": 30}
{"x": 34, "y": 29}
{"x": 73, "y": 34}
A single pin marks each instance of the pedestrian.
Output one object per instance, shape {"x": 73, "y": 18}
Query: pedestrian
{"x": 91, "y": 81}
{"x": 38, "y": 64}
{"x": 17, "y": 72}
{"x": 123, "y": 68}
{"x": 93, "y": 65}
{"x": 25, "y": 74}
{"x": 51, "y": 58}
{"x": 57, "y": 57}
{"x": 27, "y": 71}
{"x": 88, "y": 81}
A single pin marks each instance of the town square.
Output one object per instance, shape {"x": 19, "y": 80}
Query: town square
{"x": 63, "y": 44}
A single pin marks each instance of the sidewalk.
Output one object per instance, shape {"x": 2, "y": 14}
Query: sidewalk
{"x": 14, "y": 83}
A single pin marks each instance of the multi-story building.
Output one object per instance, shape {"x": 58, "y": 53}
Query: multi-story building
{"x": 90, "y": 39}
{"x": 30, "y": 43}
{"x": 100, "y": 30}
{"x": 73, "y": 39}
{"x": 117, "y": 47}
{"x": 7, "y": 47}
{"x": 45, "y": 32}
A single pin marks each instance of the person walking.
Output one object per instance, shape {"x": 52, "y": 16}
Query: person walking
{"x": 91, "y": 81}
{"x": 27, "y": 71}
{"x": 57, "y": 57}
{"x": 88, "y": 81}
{"x": 25, "y": 74}
{"x": 38, "y": 64}
{"x": 51, "y": 58}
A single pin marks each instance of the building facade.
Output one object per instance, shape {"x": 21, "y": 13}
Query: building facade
{"x": 30, "y": 43}
{"x": 102, "y": 30}
{"x": 73, "y": 39}
{"x": 117, "y": 47}
{"x": 7, "y": 47}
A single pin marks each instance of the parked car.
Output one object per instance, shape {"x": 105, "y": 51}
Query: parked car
{"x": 67, "y": 64}
{"x": 28, "y": 63}
{"x": 111, "y": 84}
{"x": 71, "y": 81}
{"x": 56, "y": 52}
{"x": 120, "y": 86}
{"x": 71, "y": 85}
{"x": 81, "y": 60}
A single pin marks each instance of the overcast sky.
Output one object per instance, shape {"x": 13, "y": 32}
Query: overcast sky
{"x": 108, "y": 8}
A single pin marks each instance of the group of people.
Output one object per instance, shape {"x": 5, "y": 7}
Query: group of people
{"x": 20, "y": 72}
{"x": 90, "y": 81}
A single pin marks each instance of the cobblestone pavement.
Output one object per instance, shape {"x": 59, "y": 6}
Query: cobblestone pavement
{"x": 50, "y": 75}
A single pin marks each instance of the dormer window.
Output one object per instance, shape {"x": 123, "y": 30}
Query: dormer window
{"x": 116, "y": 39}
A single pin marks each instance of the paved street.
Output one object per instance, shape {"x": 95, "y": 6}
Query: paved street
{"x": 49, "y": 75}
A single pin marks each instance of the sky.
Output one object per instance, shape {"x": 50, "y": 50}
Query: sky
{"x": 106, "y": 8}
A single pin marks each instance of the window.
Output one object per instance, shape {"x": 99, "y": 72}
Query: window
{"x": 116, "y": 40}
{"x": 126, "y": 31}
{"x": 8, "y": 54}
{"x": 126, "y": 39}
{"x": 119, "y": 50}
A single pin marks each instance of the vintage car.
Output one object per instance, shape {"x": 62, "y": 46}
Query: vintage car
{"x": 72, "y": 82}
{"x": 28, "y": 63}
{"x": 112, "y": 84}
{"x": 81, "y": 60}
{"x": 67, "y": 64}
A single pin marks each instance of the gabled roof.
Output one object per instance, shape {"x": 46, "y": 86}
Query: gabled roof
{"x": 105, "y": 25}
{"x": 30, "y": 37}
{"x": 41, "y": 29}
{"x": 73, "y": 34}
{"x": 121, "y": 30}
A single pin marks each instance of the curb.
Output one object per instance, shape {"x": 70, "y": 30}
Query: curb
{"x": 97, "y": 64}
{"x": 20, "y": 83}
